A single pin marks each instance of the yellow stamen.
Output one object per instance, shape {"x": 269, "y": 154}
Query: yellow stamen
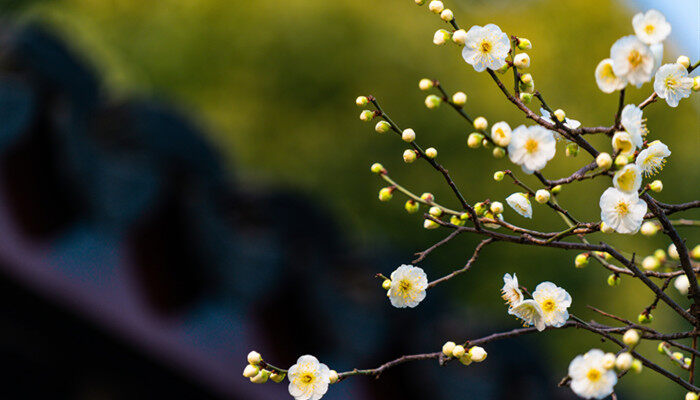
{"x": 649, "y": 29}
{"x": 549, "y": 305}
{"x": 622, "y": 208}
{"x": 485, "y": 47}
{"x": 531, "y": 145}
{"x": 634, "y": 58}
{"x": 593, "y": 375}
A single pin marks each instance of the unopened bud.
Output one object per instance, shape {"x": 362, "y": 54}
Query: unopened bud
{"x": 425, "y": 84}
{"x": 613, "y": 280}
{"x": 636, "y": 366}
{"x": 435, "y": 211}
{"x": 649, "y": 228}
{"x": 385, "y": 194}
{"x": 366, "y": 115}
{"x": 474, "y": 140}
{"x": 673, "y": 252}
{"x": 261, "y": 377}
{"x": 427, "y": 197}
{"x": 631, "y": 337}
{"x": 447, "y": 348}
{"x": 498, "y": 152}
{"x": 621, "y": 160}
{"x": 382, "y": 127}
{"x": 542, "y": 196}
{"x": 604, "y": 161}
{"x": 278, "y": 377}
{"x": 624, "y": 361}
{"x": 436, "y": 6}
{"x": 605, "y": 228}
{"x": 254, "y": 358}
{"x": 411, "y": 206}
{"x": 408, "y": 135}
{"x": 386, "y": 285}
{"x": 656, "y": 186}
{"x": 695, "y": 253}
{"x": 459, "y": 98}
{"x": 498, "y": 176}
{"x": 645, "y": 318}
{"x": 477, "y": 354}
{"x": 459, "y": 37}
{"x": 432, "y": 101}
{"x": 409, "y": 156}
{"x": 480, "y": 123}
{"x": 581, "y": 260}
{"x": 571, "y": 150}
{"x": 458, "y": 351}
{"x": 609, "y": 360}
{"x": 480, "y": 209}
{"x": 250, "y": 371}
{"x": 526, "y": 97}
{"x": 447, "y": 15}
{"x": 377, "y": 168}
{"x": 650, "y": 263}
{"x": 526, "y": 79}
{"x": 556, "y": 190}
{"x": 684, "y": 61}
{"x": 431, "y": 152}
{"x": 496, "y": 207}
{"x": 691, "y": 396}
{"x": 441, "y": 37}
{"x": 430, "y": 224}
{"x": 696, "y": 83}
{"x": 560, "y": 115}
{"x": 522, "y": 60}
{"x": 361, "y": 101}
{"x": 455, "y": 220}
{"x": 524, "y": 44}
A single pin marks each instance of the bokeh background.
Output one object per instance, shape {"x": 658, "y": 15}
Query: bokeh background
{"x": 184, "y": 181}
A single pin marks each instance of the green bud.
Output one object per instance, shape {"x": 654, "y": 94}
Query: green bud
{"x": 571, "y": 150}
{"x": 427, "y": 197}
{"x": 636, "y": 366}
{"x": 377, "y": 168}
{"x": 656, "y": 186}
{"x": 613, "y": 280}
{"x": 412, "y": 206}
{"x": 556, "y": 189}
{"x": 435, "y": 211}
{"x": 526, "y": 97}
{"x": 277, "y": 377}
{"x": 386, "y": 284}
{"x": 660, "y": 255}
{"x": 480, "y": 209}
{"x": 486, "y": 143}
{"x": 432, "y": 101}
{"x": 366, "y": 115}
{"x": 464, "y": 216}
{"x": 474, "y": 140}
{"x": 524, "y": 44}
{"x": 695, "y": 253}
{"x": 382, "y": 127}
{"x": 498, "y": 176}
{"x": 385, "y": 194}
{"x": 645, "y": 318}
{"x": 361, "y": 101}
{"x": 661, "y": 347}
{"x": 582, "y": 260}
{"x": 499, "y": 152}
{"x": 455, "y": 220}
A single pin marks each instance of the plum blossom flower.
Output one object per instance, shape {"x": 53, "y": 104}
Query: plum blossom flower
{"x": 622, "y": 211}
{"x": 511, "y": 292}
{"x": 568, "y": 122}
{"x": 408, "y": 284}
{"x": 652, "y": 159}
{"x": 531, "y": 147}
{"x": 554, "y": 302}
{"x": 589, "y": 377}
{"x": 622, "y": 141}
{"x": 606, "y": 79}
{"x": 634, "y": 123}
{"x": 632, "y": 60}
{"x": 308, "y": 379}
{"x": 672, "y": 83}
{"x": 486, "y": 47}
{"x": 520, "y": 203}
{"x": 628, "y": 178}
{"x": 530, "y": 312}
{"x": 651, "y": 27}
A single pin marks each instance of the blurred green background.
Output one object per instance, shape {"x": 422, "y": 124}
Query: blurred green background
{"x": 274, "y": 83}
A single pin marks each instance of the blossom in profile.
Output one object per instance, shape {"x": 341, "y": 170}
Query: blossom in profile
{"x": 308, "y": 378}
{"x": 633, "y": 61}
{"x": 623, "y": 143}
{"x": 554, "y": 302}
{"x": 531, "y": 147}
{"x": 510, "y": 291}
{"x": 589, "y": 377}
{"x": 628, "y": 178}
{"x": 622, "y": 211}
{"x": 606, "y": 79}
{"x": 652, "y": 159}
{"x": 501, "y": 133}
{"x": 633, "y": 121}
{"x": 486, "y": 47}
{"x": 651, "y": 27}
{"x": 568, "y": 122}
{"x": 530, "y": 312}
{"x": 408, "y": 284}
{"x": 672, "y": 83}
{"x": 520, "y": 203}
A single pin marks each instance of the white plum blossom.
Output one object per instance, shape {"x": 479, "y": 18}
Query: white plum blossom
{"x": 589, "y": 377}
{"x": 501, "y": 133}
{"x": 628, "y": 178}
{"x": 606, "y": 79}
{"x": 554, "y": 302}
{"x": 633, "y": 61}
{"x": 530, "y": 312}
{"x": 622, "y": 141}
{"x": 308, "y": 378}
{"x": 521, "y": 204}
{"x": 672, "y": 83}
{"x": 568, "y": 122}
{"x": 682, "y": 284}
{"x": 531, "y": 147}
{"x": 651, "y": 27}
{"x": 633, "y": 121}
{"x": 408, "y": 284}
{"x": 511, "y": 292}
{"x": 486, "y": 47}
{"x": 652, "y": 159}
{"x": 622, "y": 211}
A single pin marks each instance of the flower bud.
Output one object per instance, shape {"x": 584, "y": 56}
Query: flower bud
{"x": 480, "y": 209}
{"x": 609, "y": 360}
{"x": 459, "y": 37}
{"x": 621, "y": 160}
{"x": 581, "y": 260}
{"x": 496, "y": 207}
{"x": 560, "y": 115}
{"x": 604, "y": 161}
{"x": 691, "y": 396}
{"x": 695, "y": 253}
{"x": 425, "y": 84}
{"x": 459, "y": 98}
{"x": 458, "y": 351}
{"x": 480, "y": 124}
{"x": 474, "y": 140}
{"x": 605, "y": 228}
{"x": 447, "y": 348}
{"x": 361, "y": 101}
{"x": 436, "y": 6}
{"x": 477, "y": 354}
{"x": 430, "y": 224}
{"x": 678, "y": 355}
{"x": 528, "y": 87}
{"x": 432, "y": 101}
{"x": 649, "y": 228}
{"x": 278, "y": 377}
{"x": 645, "y": 318}
{"x": 333, "y": 376}
{"x": 526, "y": 79}
{"x": 447, "y": 15}
{"x": 382, "y": 127}
{"x": 254, "y": 358}
{"x": 409, "y": 156}
{"x": 682, "y": 284}
{"x": 408, "y": 135}
{"x": 524, "y": 44}
{"x": 542, "y": 196}
{"x": 377, "y": 168}
{"x": 624, "y": 361}
{"x": 465, "y": 359}
{"x": 455, "y": 220}
{"x": 366, "y": 115}
{"x": 486, "y": 143}
{"x": 498, "y": 152}
{"x": 522, "y": 60}
{"x": 386, "y": 284}
{"x": 498, "y": 176}
{"x": 430, "y": 152}
{"x": 636, "y": 366}
{"x": 526, "y": 97}
{"x": 696, "y": 83}
{"x": 673, "y": 252}
{"x": 556, "y": 190}
{"x": 261, "y": 377}
{"x": 684, "y": 61}
{"x": 435, "y": 211}
{"x": 661, "y": 347}
{"x": 427, "y": 197}
{"x": 656, "y": 186}
{"x": 631, "y": 337}
{"x": 613, "y": 280}
{"x": 503, "y": 69}
{"x": 650, "y": 263}
{"x": 419, "y": 2}
{"x": 441, "y": 37}
{"x": 571, "y": 150}
{"x": 385, "y": 194}
{"x": 250, "y": 371}
{"x": 411, "y": 206}
{"x": 660, "y": 255}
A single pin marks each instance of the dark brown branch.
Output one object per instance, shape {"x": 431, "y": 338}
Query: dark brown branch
{"x": 421, "y": 255}
{"x": 477, "y": 250}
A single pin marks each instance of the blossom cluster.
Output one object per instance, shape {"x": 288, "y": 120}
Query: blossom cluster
{"x": 548, "y": 307}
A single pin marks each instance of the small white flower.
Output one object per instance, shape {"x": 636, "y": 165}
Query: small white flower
{"x": 408, "y": 284}
{"x": 511, "y": 292}
{"x": 682, "y": 284}
{"x": 486, "y": 47}
{"x": 628, "y": 178}
{"x": 633, "y": 122}
{"x": 308, "y": 379}
{"x": 568, "y": 122}
{"x": 501, "y": 133}
{"x": 652, "y": 159}
{"x": 606, "y": 79}
{"x": 530, "y": 312}
{"x": 589, "y": 377}
{"x": 651, "y": 27}
{"x": 633, "y": 61}
{"x": 622, "y": 142}
{"x": 672, "y": 83}
{"x": 554, "y": 302}
{"x": 520, "y": 203}
{"x": 531, "y": 147}
{"x": 622, "y": 211}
